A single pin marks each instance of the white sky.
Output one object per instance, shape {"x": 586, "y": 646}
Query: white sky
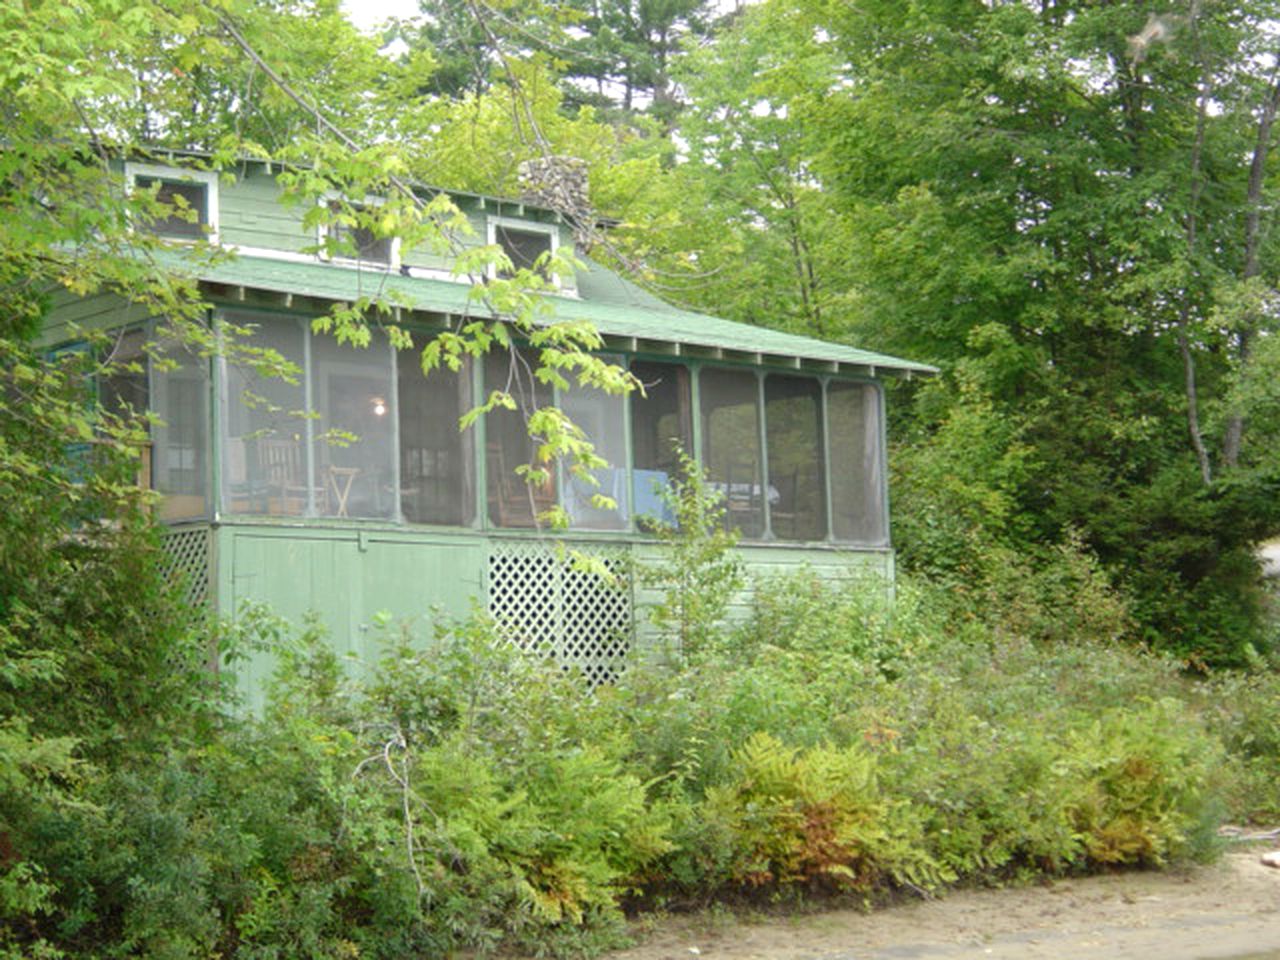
{"x": 367, "y": 14}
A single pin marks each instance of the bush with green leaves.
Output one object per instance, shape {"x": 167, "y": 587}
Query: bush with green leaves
{"x": 697, "y": 573}
{"x": 1243, "y": 711}
{"x": 465, "y": 794}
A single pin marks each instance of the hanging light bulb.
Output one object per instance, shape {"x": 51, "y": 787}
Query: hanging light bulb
{"x": 379, "y": 407}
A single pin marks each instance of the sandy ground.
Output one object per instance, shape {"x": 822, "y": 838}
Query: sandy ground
{"x": 1230, "y": 909}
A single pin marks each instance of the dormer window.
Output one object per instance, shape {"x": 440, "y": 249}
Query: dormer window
{"x": 191, "y": 197}
{"x": 357, "y": 242}
{"x": 523, "y": 243}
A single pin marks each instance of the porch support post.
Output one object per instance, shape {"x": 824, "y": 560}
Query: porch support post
{"x": 217, "y": 393}
{"x": 826, "y": 460}
{"x": 393, "y": 411}
{"x": 695, "y": 415}
{"x": 764, "y": 456}
{"x": 308, "y": 422}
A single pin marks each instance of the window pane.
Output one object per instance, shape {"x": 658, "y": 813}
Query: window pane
{"x": 351, "y": 458}
{"x": 661, "y": 422}
{"x": 793, "y": 421}
{"x": 512, "y": 501}
{"x": 857, "y": 474}
{"x": 264, "y": 469}
{"x": 180, "y": 442}
{"x": 731, "y": 445}
{"x": 369, "y": 247}
{"x": 186, "y": 199}
{"x": 123, "y": 391}
{"x": 437, "y": 472}
{"x": 600, "y": 415}
{"x": 360, "y": 242}
{"x": 523, "y": 247}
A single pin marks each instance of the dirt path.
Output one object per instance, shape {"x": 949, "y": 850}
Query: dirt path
{"x": 1231, "y": 909}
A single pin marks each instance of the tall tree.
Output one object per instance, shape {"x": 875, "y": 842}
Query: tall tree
{"x": 614, "y": 55}
{"x": 1068, "y": 198}
{"x": 746, "y": 228}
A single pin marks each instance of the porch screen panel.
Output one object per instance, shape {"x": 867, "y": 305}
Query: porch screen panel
{"x": 353, "y": 470}
{"x": 180, "y": 441}
{"x": 601, "y": 417}
{"x": 511, "y": 501}
{"x": 731, "y": 445}
{"x": 857, "y": 463}
{"x": 661, "y": 422}
{"x": 797, "y": 482}
{"x": 264, "y": 423}
{"x": 122, "y": 390}
{"x": 437, "y": 472}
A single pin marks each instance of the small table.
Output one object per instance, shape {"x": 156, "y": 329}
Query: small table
{"x": 340, "y": 480}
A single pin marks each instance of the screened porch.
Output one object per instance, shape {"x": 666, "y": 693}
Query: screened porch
{"x": 363, "y": 435}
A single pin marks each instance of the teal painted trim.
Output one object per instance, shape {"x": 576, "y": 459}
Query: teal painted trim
{"x": 217, "y": 382}
{"x": 826, "y": 464}
{"x": 393, "y": 411}
{"x": 148, "y": 327}
{"x": 213, "y": 599}
{"x": 479, "y": 445}
{"x": 309, "y": 430}
{"x": 628, "y": 492}
{"x": 882, "y": 416}
{"x": 695, "y": 414}
{"x": 385, "y": 531}
{"x": 767, "y": 533}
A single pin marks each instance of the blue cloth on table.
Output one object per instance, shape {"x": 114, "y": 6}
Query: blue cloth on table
{"x": 646, "y": 497}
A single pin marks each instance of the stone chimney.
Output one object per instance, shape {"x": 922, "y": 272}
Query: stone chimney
{"x": 559, "y": 184}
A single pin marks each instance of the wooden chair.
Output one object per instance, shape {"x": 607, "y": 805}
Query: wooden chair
{"x": 283, "y": 465}
{"x": 784, "y": 514}
{"x": 742, "y": 495}
{"x": 512, "y": 502}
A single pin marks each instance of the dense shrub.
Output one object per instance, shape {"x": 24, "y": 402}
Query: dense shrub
{"x": 464, "y": 794}
{"x": 1243, "y": 710}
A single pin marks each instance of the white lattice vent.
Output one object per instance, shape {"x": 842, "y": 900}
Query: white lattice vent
{"x": 546, "y": 601}
{"x": 188, "y": 563}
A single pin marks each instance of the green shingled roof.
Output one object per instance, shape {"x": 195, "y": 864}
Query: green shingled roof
{"x": 617, "y": 308}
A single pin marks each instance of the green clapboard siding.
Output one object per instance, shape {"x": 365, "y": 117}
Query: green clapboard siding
{"x": 251, "y": 215}
{"x": 763, "y": 562}
{"x": 71, "y": 316}
{"x": 348, "y": 582}
{"x": 357, "y": 585}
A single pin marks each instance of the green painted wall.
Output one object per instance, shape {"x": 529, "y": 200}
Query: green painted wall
{"x": 251, "y": 215}
{"x": 347, "y": 579}
{"x": 70, "y": 314}
{"x": 350, "y": 579}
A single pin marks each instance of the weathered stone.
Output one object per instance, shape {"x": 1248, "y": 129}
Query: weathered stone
{"x": 1271, "y": 859}
{"x": 560, "y": 184}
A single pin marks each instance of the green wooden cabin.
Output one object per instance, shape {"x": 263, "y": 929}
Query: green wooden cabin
{"x": 412, "y": 514}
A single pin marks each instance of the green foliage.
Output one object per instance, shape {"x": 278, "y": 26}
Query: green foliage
{"x": 698, "y": 573}
{"x": 1011, "y": 191}
{"x": 464, "y": 794}
{"x": 1241, "y": 710}
{"x": 1142, "y": 785}
{"x": 813, "y": 818}
{"x": 936, "y": 179}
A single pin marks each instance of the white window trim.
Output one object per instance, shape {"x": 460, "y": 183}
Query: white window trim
{"x": 132, "y": 171}
{"x": 513, "y": 223}
{"x": 322, "y": 234}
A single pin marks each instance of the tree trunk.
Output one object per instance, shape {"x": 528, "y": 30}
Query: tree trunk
{"x": 1192, "y": 228}
{"x": 1234, "y": 433}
